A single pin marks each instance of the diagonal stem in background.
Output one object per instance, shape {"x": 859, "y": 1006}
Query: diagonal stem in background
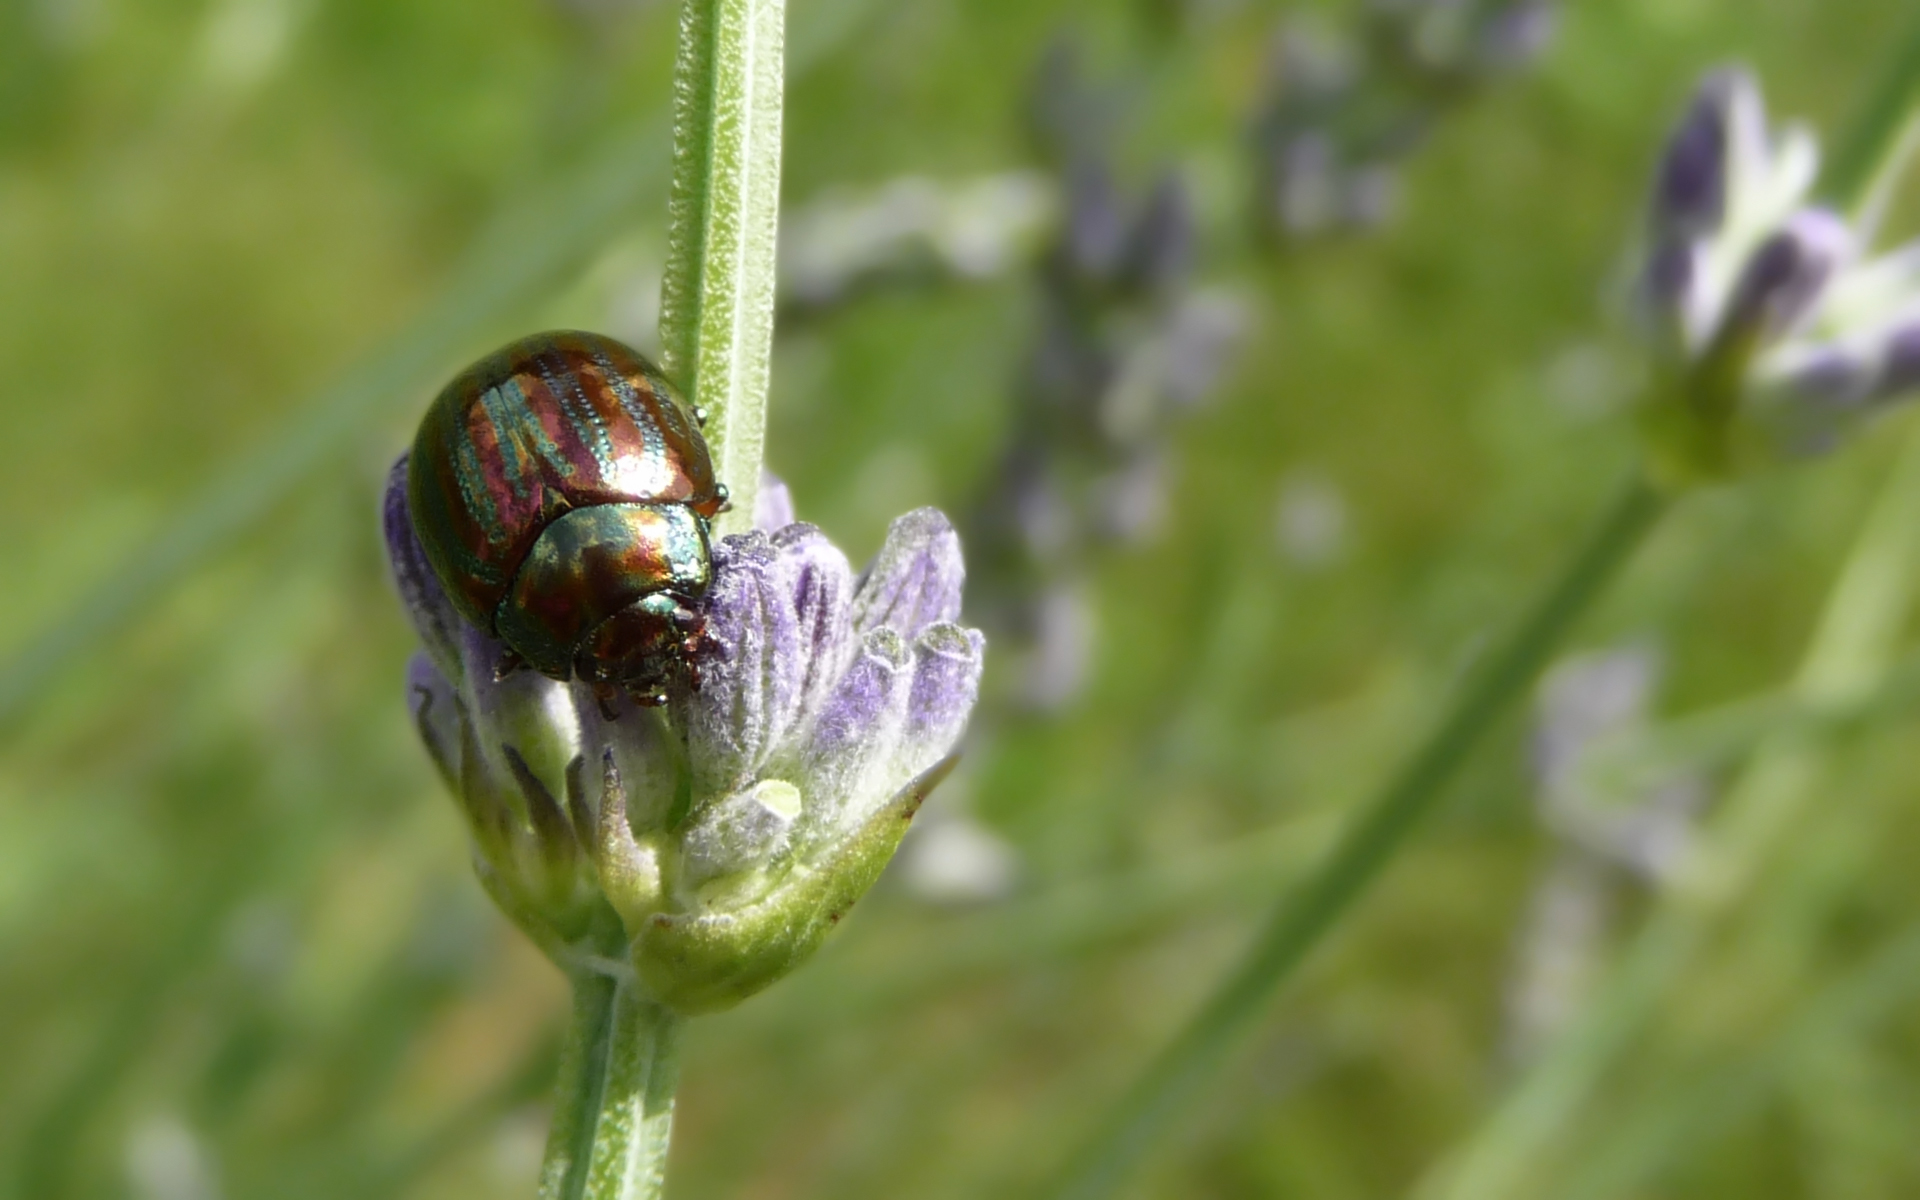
{"x": 1128, "y": 1133}
{"x": 1848, "y": 657}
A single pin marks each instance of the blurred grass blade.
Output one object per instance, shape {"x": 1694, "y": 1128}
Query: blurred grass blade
{"x": 507, "y": 272}
{"x": 1720, "y": 736}
{"x": 510, "y": 268}
{"x": 1684, "y": 1119}
{"x": 1863, "y": 164}
{"x": 530, "y": 1080}
{"x": 48, "y": 1155}
{"x": 1127, "y": 1135}
{"x": 717, "y": 299}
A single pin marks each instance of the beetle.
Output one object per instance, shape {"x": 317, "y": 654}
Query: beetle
{"x": 562, "y": 492}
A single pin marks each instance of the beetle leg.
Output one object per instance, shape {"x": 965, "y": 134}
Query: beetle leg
{"x": 509, "y": 662}
{"x": 725, "y": 496}
{"x": 603, "y": 695}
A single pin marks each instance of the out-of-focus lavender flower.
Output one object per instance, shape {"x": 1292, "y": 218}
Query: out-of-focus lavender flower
{"x": 1775, "y": 328}
{"x": 1125, "y": 346}
{"x": 1310, "y": 521}
{"x": 1343, "y": 113}
{"x": 1611, "y": 834}
{"x": 951, "y": 858}
{"x": 1641, "y": 825}
{"x": 1133, "y": 499}
{"x": 1060, "y": 647}
{"x": 913, "y": 227}
{"x": 167, "y": 1160}
{"x": 719, "y": 839}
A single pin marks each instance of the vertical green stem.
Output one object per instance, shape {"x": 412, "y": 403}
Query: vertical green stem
{"x": 583, "y": 1061}
{"x": 613, "y": 1114}
{"x": 1303, "y": 918}
{"x": 716, "y": 303}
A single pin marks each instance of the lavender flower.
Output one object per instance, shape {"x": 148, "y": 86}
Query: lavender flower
{"x": 708, "y": 847}
{"x": 1126, "y": 346}
{"x": 1610, "y": 834}
{"x": 1774, "y": 327}
{"x": 1343, "y": 114}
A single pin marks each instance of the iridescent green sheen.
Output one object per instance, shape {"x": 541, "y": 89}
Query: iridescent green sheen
{"x": 591, "y": 563}
{"x": 512, "y": 468}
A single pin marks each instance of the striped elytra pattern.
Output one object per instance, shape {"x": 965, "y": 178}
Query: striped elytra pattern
{"x": 551, "y": 422}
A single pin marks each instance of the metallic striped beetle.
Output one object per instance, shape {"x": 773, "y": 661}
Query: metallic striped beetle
{"x": 562, "y": 492}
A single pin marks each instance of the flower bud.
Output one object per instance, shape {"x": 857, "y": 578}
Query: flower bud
{"x": 1690, "y": 189}
{"x": 716, "y": 842}
{"x": 1773, "y": 331}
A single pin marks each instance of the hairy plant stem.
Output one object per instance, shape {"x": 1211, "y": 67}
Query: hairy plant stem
{"x": 716, "y": 301}
{"x": 1306, "y": 914}
{"x": 614, "y": 1116}
{"x": 613, "y": 1113}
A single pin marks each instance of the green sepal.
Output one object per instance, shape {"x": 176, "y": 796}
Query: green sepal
{"x": 705, "y": 962}
{"x": 1699, "y": 426}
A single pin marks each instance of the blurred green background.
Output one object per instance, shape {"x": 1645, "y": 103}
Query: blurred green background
{"x": 241, "y": 951}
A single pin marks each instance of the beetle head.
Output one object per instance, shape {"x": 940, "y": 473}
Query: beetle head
{"x": 645, "y": 648}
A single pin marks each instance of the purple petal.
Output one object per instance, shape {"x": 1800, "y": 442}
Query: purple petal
{"x": 1131, "y": 502}
{"x": 1831, "y": 378}
{"x": 1204, "y": 331}
{"x": 1306, "y": 184}
{"x": 433, "y": 616}
{"x": 946, "y": 681}
{"x": 1667, "y": 285}
{"x": 1162, "y": 251}
{"x": 1519, "y": 34}
{"x": 436, "y": 714}
{"x": 1900, "y": 364}
{"x": 1057, "y": 665}
{"x": 1690, "y": 194}
{"x": 858, "y": 730}
{"x": 772, "y": 504}
{"x": 1784, "y": 278}
{"x": 817, "y": 582}
{"x": 1096, "y": 233}
{"x": 748, "y": 674}
{"x": 916, "y": 579}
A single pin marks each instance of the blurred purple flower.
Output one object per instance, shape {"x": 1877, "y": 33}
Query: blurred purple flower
{"x": 1765, "y": 306}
